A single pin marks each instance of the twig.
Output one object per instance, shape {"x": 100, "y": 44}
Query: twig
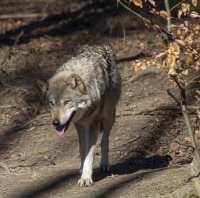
{"x": 7, "y": 106}
{"x": 190, "y": 129}
{"x": 168, "y": 15}
{"x": 132, "y": 58}
{"x": 192, "y": 107}
{"x": 21, "y": 16}
{"x": 150, "y": 23}
{"x": 145, "y": 20}
{"x": 181, "y": 89}
{"x": 186, "y": 117}
{"x": 125, "y": 114}
{"x": 193, "y": 177}
{"x": 18, "y": 38}
{"x": 175, "y": 6}
{"x": 143, "y": 74}
{"x": 173, "y": 97}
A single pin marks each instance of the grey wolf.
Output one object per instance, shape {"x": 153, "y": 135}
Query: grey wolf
{"x": 85, "y": 91}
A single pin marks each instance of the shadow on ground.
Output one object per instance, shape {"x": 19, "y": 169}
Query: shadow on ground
{"x": 127, "y": 167}
{"x": 26, "y": 79}
{"x": 61, "y": 24}
{"x": 49, "y": 184}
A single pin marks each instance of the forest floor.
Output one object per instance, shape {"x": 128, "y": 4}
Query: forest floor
{"x": 150, "y": 150}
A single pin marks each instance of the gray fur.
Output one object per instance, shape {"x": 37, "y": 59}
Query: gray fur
{"x": 97, "y": 68}
{"x": 85, "y": 90}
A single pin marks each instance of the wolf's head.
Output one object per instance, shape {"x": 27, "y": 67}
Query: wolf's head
{"x": 67, "y": 98}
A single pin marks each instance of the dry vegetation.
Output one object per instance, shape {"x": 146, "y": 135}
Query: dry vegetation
{"x": 181, "y": 57}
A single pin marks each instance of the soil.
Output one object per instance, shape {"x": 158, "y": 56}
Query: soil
{"x": 150, "y": 151}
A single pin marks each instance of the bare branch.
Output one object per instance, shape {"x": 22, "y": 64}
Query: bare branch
{"x": 18, "y": 38}
{"x": 186, "y": 118}
{"x": 174, "y": 97}
{"x": 145, "y": 20}
{"x": 22, "y": 16}
{"x": 175, "y": 6}
{"x": 169, "y": 15}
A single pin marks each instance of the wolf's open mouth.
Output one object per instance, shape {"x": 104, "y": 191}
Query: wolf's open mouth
{"x": 60, "y": 129}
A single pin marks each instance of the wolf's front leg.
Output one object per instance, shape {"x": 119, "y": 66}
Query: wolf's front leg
{"x": 90, "y": 144}
{"x": 81, "y": 137}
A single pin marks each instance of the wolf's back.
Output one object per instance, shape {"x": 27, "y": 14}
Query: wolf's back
{"x": 97, "y": 67}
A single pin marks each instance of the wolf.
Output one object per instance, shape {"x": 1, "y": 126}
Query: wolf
{"x": 85, "y": 91}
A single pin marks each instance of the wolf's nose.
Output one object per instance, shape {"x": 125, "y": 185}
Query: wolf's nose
{"x": 56, "y": 122}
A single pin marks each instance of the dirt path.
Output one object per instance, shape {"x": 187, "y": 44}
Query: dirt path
{"x": 44, "y": 165}
{"x": 149, "y": 151}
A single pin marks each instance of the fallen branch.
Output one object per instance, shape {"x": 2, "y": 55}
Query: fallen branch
{"x": 132, "y": 58}
{"x": 193, "y": 177}
{"x": 18, "y": 38}
{"x": 145, "y": 73}
{"x": 23, "y": 16}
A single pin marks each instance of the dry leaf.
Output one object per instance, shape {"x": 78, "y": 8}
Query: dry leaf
{"x": 185, "y": 7}
{"x": 156, "y": 27}
{"x": 174, "y": 49}
{"x": 154, "y": 11}
{"x": 163, "y": 14}
{"x": 172, "y": 72}
{"x": 189, "y": 39}
{"x": 138, "y": 3}
{"x": 185, "y": 72}
{"x": 194, "y": 14}
{"x": 170, "y": 61}
{"x": 194, "y": 3}
{"x": 180, "y": 42}
{"x": 152, "y": 2}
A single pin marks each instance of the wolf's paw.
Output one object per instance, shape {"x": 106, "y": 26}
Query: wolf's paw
{"x": 105, "y": 169}
{"x": 84, "y": 182}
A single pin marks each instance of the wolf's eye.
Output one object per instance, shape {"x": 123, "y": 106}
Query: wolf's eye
{"x": 66, "y": 102}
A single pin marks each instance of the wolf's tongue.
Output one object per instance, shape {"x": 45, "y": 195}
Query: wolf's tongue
{"x": 60, "y": 131}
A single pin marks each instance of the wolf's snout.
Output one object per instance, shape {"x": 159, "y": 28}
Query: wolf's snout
{"x": 56, "y": 122}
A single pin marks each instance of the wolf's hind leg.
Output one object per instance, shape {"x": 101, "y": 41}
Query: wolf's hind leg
{"x": 107, "y": 124}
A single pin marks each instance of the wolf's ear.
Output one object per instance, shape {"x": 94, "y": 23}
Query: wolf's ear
{"x": 76, "y": 82}
{"x": 42, "y": 86}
